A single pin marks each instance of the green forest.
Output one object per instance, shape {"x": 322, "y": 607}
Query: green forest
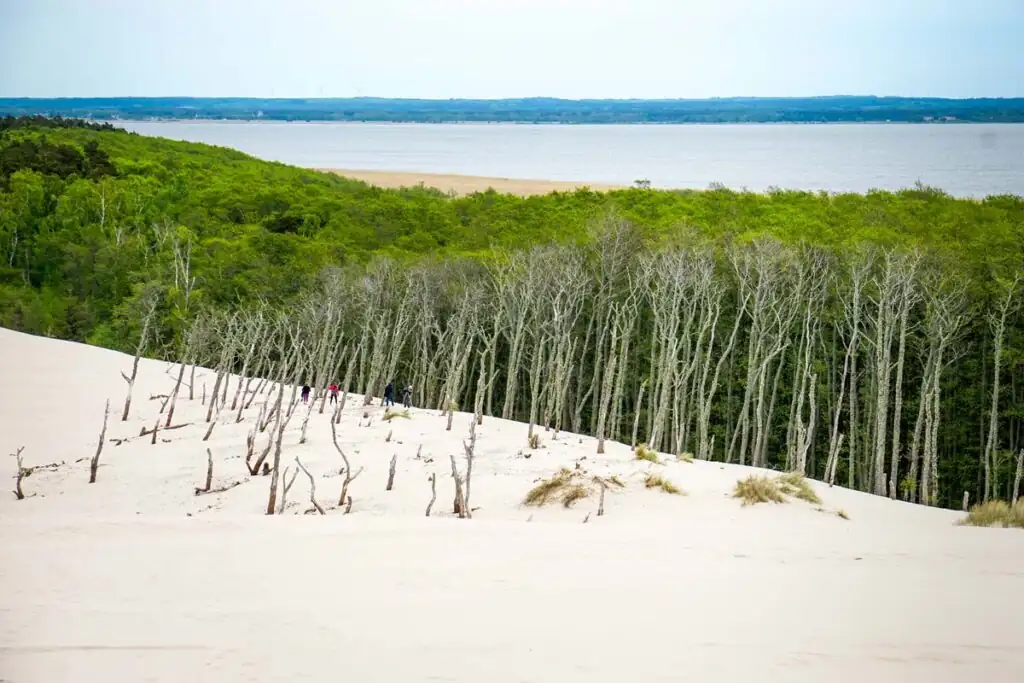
{"x": 872, "y": 340}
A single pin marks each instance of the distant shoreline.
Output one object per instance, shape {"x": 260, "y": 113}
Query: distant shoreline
{"x": 532, "y": 110}
{"x": 468, "y": 184}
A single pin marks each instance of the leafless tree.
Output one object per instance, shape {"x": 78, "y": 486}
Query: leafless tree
{"x": 94, "y": 464}
{"x": 312, "y": 487}
{"x": 997, "y": 326}
{"x": 149, "y": 300}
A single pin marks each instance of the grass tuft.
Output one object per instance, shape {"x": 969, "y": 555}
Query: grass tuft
{"x": 573, "y": 493}
{"x": 841, "y": 514}
{"x": 758, "y": 488}
{"x": 655, "y": 481}
{"x": 794, "y": 484}
{"x": 642, "y": 452}
{"x": 686, "y": 457}
{"x": 997, "y": 513}
{"x": 389, "y": 415}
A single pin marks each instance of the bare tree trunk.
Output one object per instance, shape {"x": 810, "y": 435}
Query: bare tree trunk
{"x": 150, "y": 301}
{"x": 433, "y": 492}
{"x": 349, "y": 477}
{"x": 95, "y": 462}
{"x": 391, "y": 472}
{"x": 459, "y": 504}
{"x": 1017, "y": 477}
{"x": 997, "y": 325}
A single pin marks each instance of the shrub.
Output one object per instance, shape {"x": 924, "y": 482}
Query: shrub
{"x": 656, "y": 481}
{"x": 642, "y": 452}
{"x": 996, "y": 513}
{"x": 686, "y": 457}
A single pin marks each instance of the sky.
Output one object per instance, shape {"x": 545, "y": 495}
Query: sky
{"x": 511, "y": 48}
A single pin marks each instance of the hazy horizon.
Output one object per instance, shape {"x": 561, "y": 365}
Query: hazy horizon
{"x": 501, "y": 49}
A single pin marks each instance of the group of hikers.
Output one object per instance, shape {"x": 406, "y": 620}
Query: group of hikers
{"x": 389, "y": 394}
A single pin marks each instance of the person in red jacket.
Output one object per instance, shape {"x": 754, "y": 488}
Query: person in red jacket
{"x": 334, "y": 393}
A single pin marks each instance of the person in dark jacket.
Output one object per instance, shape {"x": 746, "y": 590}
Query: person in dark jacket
{"x": 389, "y": 394}
{"x": 305, "y": 393}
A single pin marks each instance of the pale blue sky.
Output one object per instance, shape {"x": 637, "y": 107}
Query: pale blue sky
{"x": 511, "y": 48}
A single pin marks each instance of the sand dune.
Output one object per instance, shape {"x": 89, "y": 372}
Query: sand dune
{"x": 463, "y": 184}
{"x": 136, "y": 578}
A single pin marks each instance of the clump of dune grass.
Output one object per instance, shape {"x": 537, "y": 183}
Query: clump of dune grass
{"x": 758, "y": 488}
{"x": 997, "y": 513}
{"x": 642, "y": 452}
{"x": 686, "y": 457}
{"x": 389, "y": 415}
{"x": 568, "y": 487}
{"x": 794, "y": 484}
{"x": 841, "y": 514}
{"x": 655, "y": 481}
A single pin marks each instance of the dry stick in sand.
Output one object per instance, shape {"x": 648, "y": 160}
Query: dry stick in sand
{"x": 147, "y": 432}
{"x": 600, "y": 504}
{"x": 156, "y": 428}
{"x": 95, "y": 462}
{"x": 287, "y": 487}
{"x": 391, "y": 472}
{"x": 459, "y": 504}
{"x": 209, "y": 474}
{"x": 349, "y": 477}
{"x": 312, "y": 487}
{"x": 433, "y": 491}
{"x": 22, "y": 473}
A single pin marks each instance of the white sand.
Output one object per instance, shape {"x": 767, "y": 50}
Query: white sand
{"x": 114, "y": 582}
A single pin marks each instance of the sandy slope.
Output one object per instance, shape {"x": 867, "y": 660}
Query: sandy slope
{"x": 113, "y": 581}
{"x": 464, "y": 184}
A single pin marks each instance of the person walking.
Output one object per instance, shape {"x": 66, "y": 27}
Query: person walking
{"x": 334, "y": 393}
{"x": 407, "y": 397}
{"x": 389, "y": 393}
{"x": 305, "y": 393}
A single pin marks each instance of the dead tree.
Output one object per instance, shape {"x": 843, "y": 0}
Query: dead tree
{"x": 459, "y": 504}
{"x": 433, "y": 492}
{"x": 95, "y": 462}
{"x": 349, "y": 476}
{"x": 287, "y": 486}
{"x": 1017, "y": 477}
{"x": 470, "y": 449}
{"x": 391, "y": 472}
{"x": 997, "y": 326}
{"x": 209, "y": 474}
{"x": 149, "y": 301}
{"x": 312, "y": 487}
{"x": 22, "y": 473}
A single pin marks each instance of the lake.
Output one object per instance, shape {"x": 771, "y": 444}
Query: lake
{"x": 962, "y": 159}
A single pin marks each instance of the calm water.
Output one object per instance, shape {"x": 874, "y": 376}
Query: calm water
{"x": 964, "y": 159}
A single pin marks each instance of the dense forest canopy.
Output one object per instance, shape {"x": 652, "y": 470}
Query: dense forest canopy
{"x": 872, "y": 340}
{"x": 846, "y": 109}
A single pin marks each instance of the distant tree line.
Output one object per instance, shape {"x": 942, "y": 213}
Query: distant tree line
{"x": 838, "y": 109}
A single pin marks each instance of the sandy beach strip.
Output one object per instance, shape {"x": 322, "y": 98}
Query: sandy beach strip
{"x": 465, "y": 184}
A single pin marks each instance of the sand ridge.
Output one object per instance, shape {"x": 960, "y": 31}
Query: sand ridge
{"x": 465, "y": 184}
{"x": 137, "y": 574}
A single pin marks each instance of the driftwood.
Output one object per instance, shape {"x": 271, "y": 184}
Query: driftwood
{"x": 22, "y": 473}
{"x": 348, "y": 505}
{"x": 433, "y": 492}
{"x": 147, "y": 432}
{"x": 221, "y": 489}
{"x": 95, "y": 462}
{"x": 600, "y": 503}
{"x": 391, "y": 472}
{"x": 312, "y": 487}
{"x": 156, "y": 428}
